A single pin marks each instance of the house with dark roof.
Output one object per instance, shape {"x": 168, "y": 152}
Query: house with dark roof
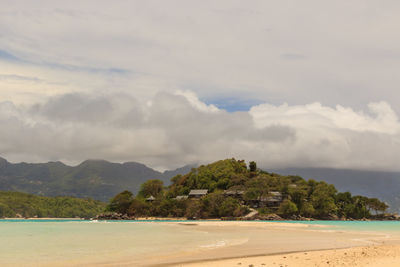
{"x": 272, "y": 200}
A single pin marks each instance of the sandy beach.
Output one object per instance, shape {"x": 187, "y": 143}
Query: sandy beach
{"x": 371, "y": 256}
{"x": 302, "y": 245}
{"x": 197, "y": 243}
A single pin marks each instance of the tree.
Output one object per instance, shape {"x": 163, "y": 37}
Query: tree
{"x": 253, "y": 166}
{"x": 228, "y": 207}
{"x": 376, "y": 205}
{"x": 138, "y": 208}
{"x": 344, "y": 203}
{"x": 323, "y": 199}
{"x": 121, "y": 202}
{"x": 360, "y": 209}
{"x": 257, "y": 188}
{"x": 212, "y": 204}
{"x": 194, "y": 210}
{"x": 298, "y": 196}
{"x": 151, "y": 188}
{"x": 307, "y": 209}
{"x": 287, "y": 208}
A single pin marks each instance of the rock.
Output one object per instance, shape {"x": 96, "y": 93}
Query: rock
{"x": 270, "y": 217}
{"x": 331, "y": 217}
{"x": 113, "y": 216}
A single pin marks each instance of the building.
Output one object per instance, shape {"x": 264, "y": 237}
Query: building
{"x": 150, "y": 199}
{"x": 234, "y": 193}
{"x": 272, "y": 200}
{"x": 181, "y": 197}
{"x": 198, "y": 193}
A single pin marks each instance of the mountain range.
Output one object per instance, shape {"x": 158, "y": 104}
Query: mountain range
{"x": 97, "y": 179}
{"x": 101, "y": 180}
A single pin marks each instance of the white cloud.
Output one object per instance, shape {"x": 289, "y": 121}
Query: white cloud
{"x": 124, "y": 81}
{"x": 195, "y": 101}
{"x": 384, "y": 119}
{"x": 173, "y": 131}
{"x": 344, "y": 53}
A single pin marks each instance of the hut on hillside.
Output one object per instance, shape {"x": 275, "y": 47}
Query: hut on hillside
{"x": 184, "y": 197}
{"x": 234, "y": 193}
{"x": 198, "y": 193}
{"x": 150, "y": 199}
{"x": 272, "y": 200}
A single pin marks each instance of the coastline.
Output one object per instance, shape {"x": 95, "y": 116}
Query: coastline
{"x": 282, "y": 240}
{"x": 371, "y": 256}
{"x": 201, "y": 243}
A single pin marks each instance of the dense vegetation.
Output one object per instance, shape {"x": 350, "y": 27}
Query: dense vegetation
{"x": 13, "y": 204}
{"x": 300, "y": 197}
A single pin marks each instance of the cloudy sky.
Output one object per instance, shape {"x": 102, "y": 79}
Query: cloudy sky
{"x": 167, "y": 83}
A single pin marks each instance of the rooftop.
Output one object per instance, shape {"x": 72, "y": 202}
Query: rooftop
{"x": 198, "y": 192}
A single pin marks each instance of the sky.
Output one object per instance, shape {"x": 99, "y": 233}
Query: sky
{"x": 167, "y": 83}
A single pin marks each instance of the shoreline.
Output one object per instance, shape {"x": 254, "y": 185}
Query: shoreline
{"x": 208, "y": 243}
{"x": 224, "y": 259}
{"x": 372, "y": 256}
{"x": 271, "y": 239}
{"x": 168, "y": 219}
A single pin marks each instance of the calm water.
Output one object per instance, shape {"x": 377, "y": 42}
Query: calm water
{"x": 57, "y": 240}
{"x": 374, "y": 226}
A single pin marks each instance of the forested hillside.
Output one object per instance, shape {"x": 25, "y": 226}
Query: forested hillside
{"x": 13, "y": 204}
{"x": 229, "y": 188}
{"x": 376, "y": 184}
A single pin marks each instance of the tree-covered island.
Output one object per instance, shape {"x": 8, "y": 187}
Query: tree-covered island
{"x": 231, "y": 189}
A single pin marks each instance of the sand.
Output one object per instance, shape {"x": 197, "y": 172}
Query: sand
{"x": 316, "y": 248}
{"x": 299, "y": 245}
{"x": 372, "y": 256}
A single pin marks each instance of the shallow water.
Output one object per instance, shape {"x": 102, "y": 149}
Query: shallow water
{"x": 49, "y": 241}
{"x": 369, "y": 226}
{"x": 57, "y": 240}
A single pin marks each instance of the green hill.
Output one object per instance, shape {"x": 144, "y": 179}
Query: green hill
{"x": 228, "y": 188}
{"x": 13, "y": 204}
{"x": 97, "y": 179}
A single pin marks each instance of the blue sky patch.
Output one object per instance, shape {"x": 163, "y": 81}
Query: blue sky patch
{"x": 233, "y": 104}
{"x": 4, "y": 55}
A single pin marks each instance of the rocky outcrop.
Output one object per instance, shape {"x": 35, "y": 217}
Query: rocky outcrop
{"x": 270, "y": 217}
{"x": 387, "y": 217}
{"x": 113, "y": 216}
{"x": 330, "y": 217}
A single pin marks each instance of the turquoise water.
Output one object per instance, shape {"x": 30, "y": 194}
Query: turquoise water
{"x": 391, "y": 226}
{"x": 370, "y": 226}
{"x": 60, "y": 240}
{"x": 340, "y": 225}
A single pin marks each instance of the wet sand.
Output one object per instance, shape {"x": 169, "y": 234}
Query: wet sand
{"x": 278, "y": 244}
{"x": 314, "y": 248}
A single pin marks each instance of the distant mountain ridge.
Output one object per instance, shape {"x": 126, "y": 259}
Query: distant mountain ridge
{"x": 98, "y": 179}
{"x": 101, "y": 180}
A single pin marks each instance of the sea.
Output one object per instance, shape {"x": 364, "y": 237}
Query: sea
{"x": 50, "y": 241}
